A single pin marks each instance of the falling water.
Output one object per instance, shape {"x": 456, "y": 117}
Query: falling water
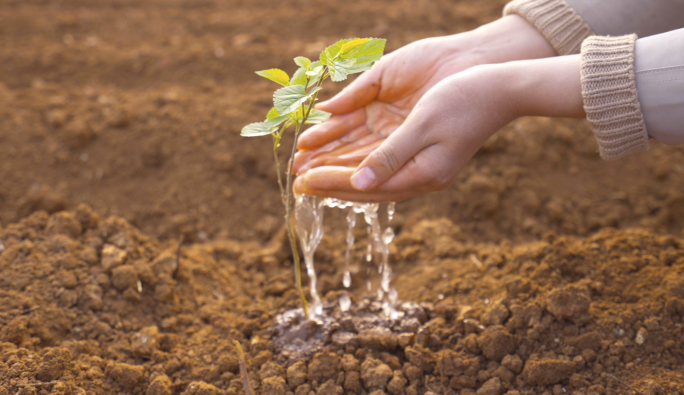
{"x": 351, "y": 223}
{"x": 309, "y": 215}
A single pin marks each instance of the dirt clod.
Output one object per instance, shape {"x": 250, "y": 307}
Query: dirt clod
{"x": 496, "y": 342}
{"x": 571, "y": 303}
{"x": 375, "y": 374}
{"x": 547, "y": 371}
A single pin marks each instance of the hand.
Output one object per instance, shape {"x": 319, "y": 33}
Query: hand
{"x": 448, "y": 125}
{"x": 379, "y": 101}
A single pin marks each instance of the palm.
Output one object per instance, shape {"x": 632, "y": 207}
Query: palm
{"x": 377, "y": 103}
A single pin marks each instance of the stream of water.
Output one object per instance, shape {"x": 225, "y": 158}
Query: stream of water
{"x": 309, "y": 215}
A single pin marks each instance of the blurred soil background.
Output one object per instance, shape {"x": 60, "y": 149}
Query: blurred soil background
{"x": 127, "y": 115}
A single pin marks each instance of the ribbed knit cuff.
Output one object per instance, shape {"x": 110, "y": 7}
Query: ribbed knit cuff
{"x": 556, "y": 20}
{"x": 610, "y": 95}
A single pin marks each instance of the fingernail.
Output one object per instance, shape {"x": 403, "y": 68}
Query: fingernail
{"x": 363, "y": 179}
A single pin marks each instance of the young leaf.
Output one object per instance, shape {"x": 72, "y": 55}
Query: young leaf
{"x": 369, "y": 50}
{"x": 339, "y": 69}
{"x": 361, "y": 67}
{"x": 303, "y": 62}
{"x": 315, "y": 117}
{"x": 318, "y": 116}
{"x": 256, "y": 129}
{"x": 315, "y": 71}
{"x": 273, "y": 113}
{"x": 263, "y": 128}
{"x": 353, "y": 44}
{"x": 330, "y": 52}
{"x": 286, "y": 100}
{"x": 275, "y": 75}
{"x": 299, "y": 77}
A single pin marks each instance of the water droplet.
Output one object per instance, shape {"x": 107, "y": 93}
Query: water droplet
{"x": 388, "y": 235}
{"x": 393, "y": 296}
{"x": 346, "y": 279}
{"x": 345, "y": 302}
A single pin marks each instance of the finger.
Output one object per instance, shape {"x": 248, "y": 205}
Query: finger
{"x": 359, "y": 93}
{"x": 390, "y": 156}
{"x": 353, "y": 157}
{"x": 323, "y": 158}
{"x": 424, "y": 173}
{"x": 336, "y": 127}
{"x": 302, "y": 157}
{"x": 334, "y": 182}
{"x": 331, "y": 149}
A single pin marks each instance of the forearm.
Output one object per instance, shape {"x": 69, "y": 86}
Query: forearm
{"x": 508, "y": 39}
{"x": 544, "y": 87}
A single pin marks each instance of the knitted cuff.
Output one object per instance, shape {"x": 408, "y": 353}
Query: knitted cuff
{"x": 556, "y": 20}
{"x": 610, "y": 95}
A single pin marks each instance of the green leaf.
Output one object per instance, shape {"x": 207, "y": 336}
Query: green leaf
{"x": 299, "y": 77}
{"x": 365, "y": 54}
{"x": 332, "y": 51}
{"x": 303, "y": 62}
{"x": 286, "y": 100}
{"x": 275, "y": 122}
{"x": 275, "y": 75}
{"x": 255, "y": 130}
{"x": 263, "y": 128}
{"x": 318, "y": 116}
{"x": 315, "y": 117}
{"x": 339, "y": 69}
{"x": 315, "y": 72}
{"x": 273, "y": 113}
{"x": 361, "y": 67}
{"x": 368, "y": 51}
{"x": 353, "y": 44}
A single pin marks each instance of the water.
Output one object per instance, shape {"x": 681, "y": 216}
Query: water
{"x": 351, "y": 223}
{"x": 309, "y": 215}
{"x": 345, "y": 302}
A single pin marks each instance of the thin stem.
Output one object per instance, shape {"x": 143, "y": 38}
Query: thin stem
{"x": 288, "y": 195}
{"x": 243, "y": 368}
{"x": 276, "y": 145}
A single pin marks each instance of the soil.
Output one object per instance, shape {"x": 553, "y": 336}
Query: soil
{"x": 543, "y": 270}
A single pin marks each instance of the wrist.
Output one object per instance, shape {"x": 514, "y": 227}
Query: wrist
{"x": 509, "y": 39}
{"x": 543, "y": 87}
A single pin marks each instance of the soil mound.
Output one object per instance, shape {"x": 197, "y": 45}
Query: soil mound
{"x": 95, "y": 306}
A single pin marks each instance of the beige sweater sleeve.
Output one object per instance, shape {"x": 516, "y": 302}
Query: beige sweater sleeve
{"x": 632, "y": 90}
{"x": 610, "y": 95}
{"x": 556, "y": 20}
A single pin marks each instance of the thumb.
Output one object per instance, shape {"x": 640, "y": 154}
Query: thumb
{"x": 358, "y": 94}
{"x": 386, "y": 160}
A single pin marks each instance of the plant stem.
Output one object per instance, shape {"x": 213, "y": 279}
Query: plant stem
{"x": 243, "y": 368}
{"x": 276, "y": 145}
{"x": 288, "y": 195}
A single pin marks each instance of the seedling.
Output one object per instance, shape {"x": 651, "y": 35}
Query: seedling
{"x": 293, "y": 105}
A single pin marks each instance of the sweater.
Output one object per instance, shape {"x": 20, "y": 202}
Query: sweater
{"x": 632, "y": 88}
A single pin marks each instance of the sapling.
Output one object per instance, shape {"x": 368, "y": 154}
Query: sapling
{"x": 293, "y": 106}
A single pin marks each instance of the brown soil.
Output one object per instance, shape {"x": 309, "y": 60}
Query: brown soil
{"x": 526, "y": 275}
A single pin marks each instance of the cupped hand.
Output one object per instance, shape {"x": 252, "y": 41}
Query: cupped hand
{"x": 447, "y": 126}
{"x": 379, "y": 101}
{"x": 425, "y": 152}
